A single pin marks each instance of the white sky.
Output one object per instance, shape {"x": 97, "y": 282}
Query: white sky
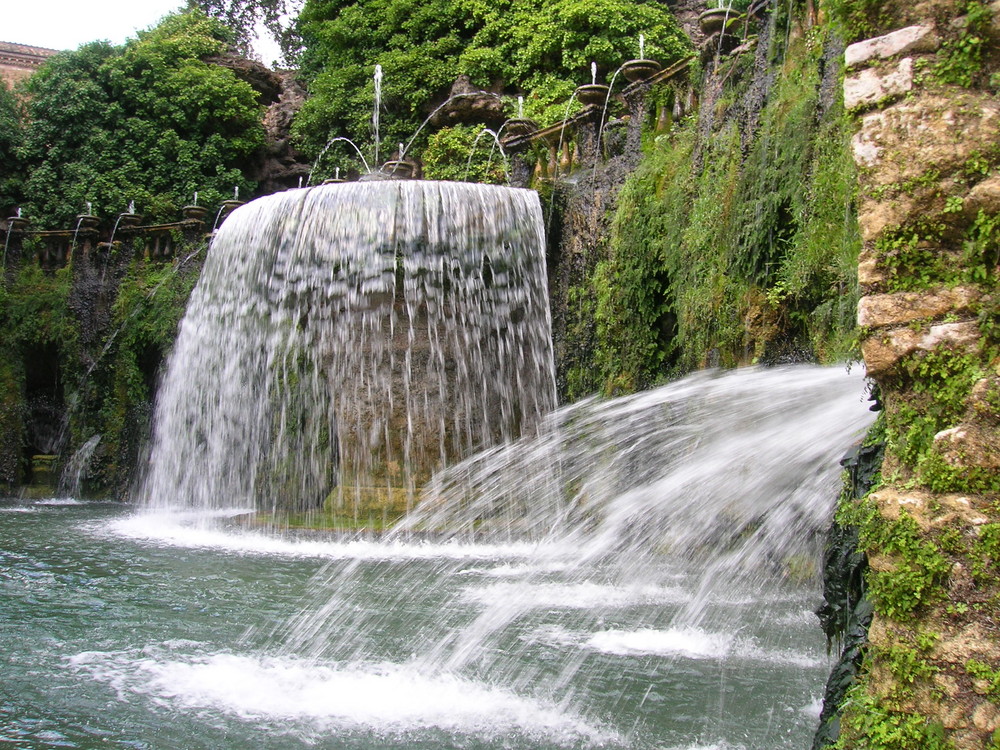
{"x": 66, "y": 24}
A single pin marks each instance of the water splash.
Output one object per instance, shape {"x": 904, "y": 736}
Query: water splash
{"x": 331, "y": 142}
{"x": 495, "y": 145}
{"x": 668, "y": 525}
{"x": 72, "y": 475}
{"x": 346, "y": 340}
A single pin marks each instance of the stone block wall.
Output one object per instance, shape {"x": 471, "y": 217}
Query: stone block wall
{"x": 927, "y": 145}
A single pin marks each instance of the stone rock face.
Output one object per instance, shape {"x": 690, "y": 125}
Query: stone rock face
{"x": 871, "y": 87}
{"x": 905, "y": 307}
{"x": 900, "y": 42}
{"x": 929, "y": 132}
{"x": 983, "y": 197}
{"x": 883, "y": 352}
{"x": 263, "y": 80}
{"x": 469, "y": 105}
{"x": 925, "y": 178}
{"x": 281, "y": 165}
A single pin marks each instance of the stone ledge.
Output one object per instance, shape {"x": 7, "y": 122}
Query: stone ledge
{"x": 871, "y": 87}
{"x": 912, "y": 39}
{"x": 882, "y": 353}
{"x": 928, "y": 132}
{"x": 880, "y": 310}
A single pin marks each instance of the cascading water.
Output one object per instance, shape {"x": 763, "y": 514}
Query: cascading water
{"x": 346, "y": 340}
{"x": 639, "y": 572}
{"x": 673, "y": 530}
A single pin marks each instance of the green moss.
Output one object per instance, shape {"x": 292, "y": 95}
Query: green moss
{"x": 907, "y": 662}
{"x": 861, "y": 19}
{"x": 961, "y": 59}
{"x": 917, "y": 569}
{"x": 985, "y": 558}
{"x": 117, "y": 396}
{"x": 942, "y": 380}
{"x": 870, "y": 723}
{"x": 980, "y": 670}
{"x": 732, "y": 246}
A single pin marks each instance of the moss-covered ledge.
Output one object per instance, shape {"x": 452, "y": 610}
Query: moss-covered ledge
{"x": 927, "y": 145}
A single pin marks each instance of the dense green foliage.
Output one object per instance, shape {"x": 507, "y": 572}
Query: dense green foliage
{"x": 464, "y": 153}
{"x": 243, "y": 17}
{"x": 10, "y": 140}
{"x": 540, "y": 48}
{"x": 34, "y": 318}
{"x": 150, "y": 122}
{"x": 725, "y": 253}
{"x": 105, "y": 378}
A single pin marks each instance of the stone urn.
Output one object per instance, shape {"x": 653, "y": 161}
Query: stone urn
{"x": 231, "y": 205}
{"x": 87, "y": 221}
{"x": 713, "y": 20}
{"x": 519, "y": 126}
{"x": 592, "y": 93}
{"x": 399, "y": 169}
{"x": 129, "y": 220}
{"x": 640, "y": 70}
{"x": 194, "y": 213}
{"x": 17, "y": 224}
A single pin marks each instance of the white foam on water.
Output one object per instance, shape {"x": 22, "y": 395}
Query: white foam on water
{"x": 330, "y": 696}
{"x": 695, "y": 643}
{"x": 804, "y": 617}
{"x": 583, "y": 595}
{"x": 688, "y": 642}
{"x": 519, "y": 570}
{"x": 813, "y": 708}
{"x": 181, "y": 530}
{"x": 60, "y": 501}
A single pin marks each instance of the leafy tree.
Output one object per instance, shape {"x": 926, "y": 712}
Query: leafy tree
{"x": 539, "y": 48}
{"x": 10, "y": 137}
{"x": 242, "y": 17}
{"x": 150, "y": 122}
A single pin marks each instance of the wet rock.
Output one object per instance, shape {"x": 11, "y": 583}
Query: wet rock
{"x": 883, "y": 353}
{"x": 877, "y": 310}
{"x": 912, "y": 39}
{"x": 469, "y": 105}
{"x": 871, "y": 87}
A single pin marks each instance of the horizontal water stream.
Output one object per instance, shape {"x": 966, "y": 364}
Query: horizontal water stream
{"x": 146, "y": 632}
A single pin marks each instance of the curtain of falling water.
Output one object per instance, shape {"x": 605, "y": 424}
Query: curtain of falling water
{"x": 345, "y": 341}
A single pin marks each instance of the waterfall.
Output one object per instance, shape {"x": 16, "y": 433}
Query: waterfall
{"x": 345, "y": 341}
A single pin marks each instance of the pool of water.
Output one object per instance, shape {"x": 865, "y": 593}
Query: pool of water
{"x": 123, "y": 630}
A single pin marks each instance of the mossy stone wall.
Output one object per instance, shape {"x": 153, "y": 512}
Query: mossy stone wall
{"x": 923, "y": 97}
